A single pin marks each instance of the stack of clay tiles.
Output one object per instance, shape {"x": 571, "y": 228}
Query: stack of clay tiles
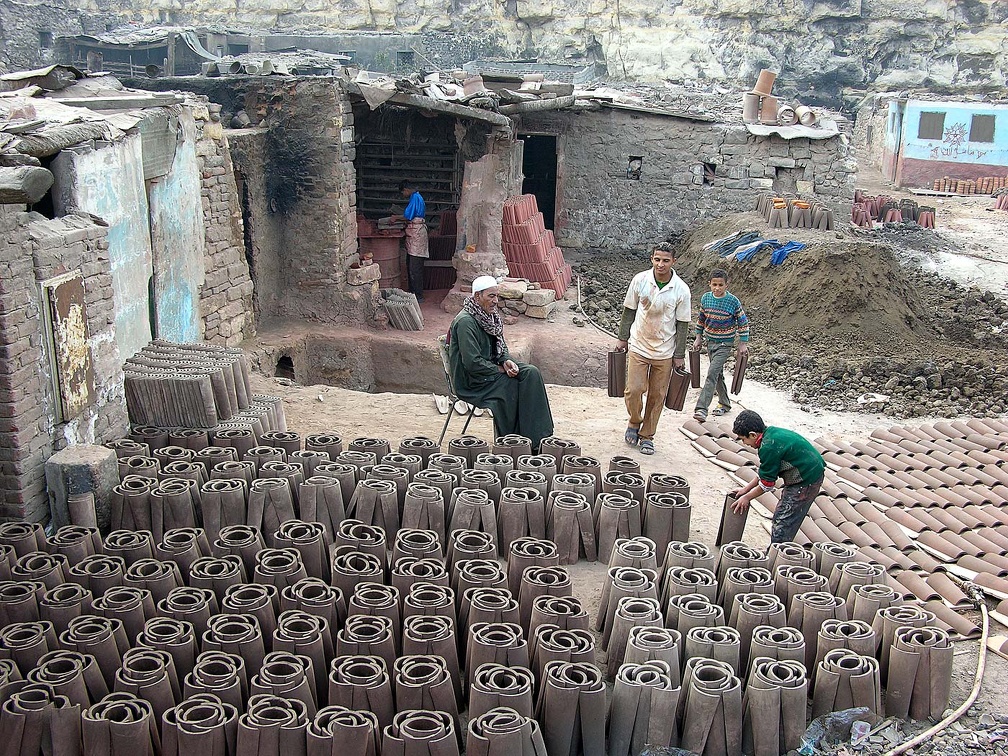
{"x": 186, "y": 385}
{"x": 1001, "y": 201}
{"x": 868, "y": 209}
{"x": 529, "y": 247}
{"x": 982, "y": 185}
{"x": 927, "y": 503}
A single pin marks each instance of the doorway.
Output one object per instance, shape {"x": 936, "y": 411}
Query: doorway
{"x": 540, "y": 168}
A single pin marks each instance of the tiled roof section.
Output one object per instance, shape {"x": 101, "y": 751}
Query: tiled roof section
{"x": 929, "y": 503}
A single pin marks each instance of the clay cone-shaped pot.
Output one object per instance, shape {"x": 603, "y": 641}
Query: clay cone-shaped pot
{"x": 424, "y": 733}
{"x": 620, "y": 583}
{"x": 690, "y": 554}
{"x": 160, "y": 578}
{"x": 663, "y": 644}
{"x": 76, "y": 542}
{"x": 849, "y": 574}
{"x": 752, "y": 610}
{"x": 288, "y": 676}
{"x": 639, "y": 552}
{"x": 346, "y": 474}
{"x": 558, "y": 448}
{"x": 920, "y": 673}
{"x": 710, "y": 708}
{"x": 740, "y": 580}
{"x": 775, "y": 699}
{"x": 103, "y": 638}
{"x": 789, "y": 553}
{"x": 130, "y": 504}
{"x": 564, "y": 612}
{"x": 309, "y": 540}
{"x": 477, "y": 573}
{"x": 435, "y": 636}
{"x": 469, "y": 544}
{"x": 272, "y": 726}
{"x": 522, "y": 514}
{"x": 783, "y": 643}
{"x": 618, "y": 517}
{"x": 468, "y": 447}
{"x": 569, "y": 525}
{"x": 489, "y": 605}
{"x": 624, "y": 482}
{"x": 623, "y": 463}
{"x": 732, "y": 524}
{"x": 150, "y": 674}
{"x": 572, "y": 709}
{"x": 216, "y": 574}
{"x": 330, "y": 443}
{"x": 721, "y": 642}
{"x": 845, "y": 680}
{"x": 452, "y": 464}
{"x": 529, "y": 479}
{"x": 429, "y": 600}
{"x": 270, "y": 504}
{"x": 220, "y": 674}
{"x": 680, "y": 581}
{"x": 236, "y": 634}
{"x": 309, "y": 636}
{"x": 374, "y": 600}
{"x": 120, "y": 718}
{"x": 315, "y": 597}
{"x": 198, "y": 725}
{"x": 424, "y": 509}
{"x": 132, "y": 606}
{"x": 338, "y": 731}
{"x": 790, "y": 580}
{"x": 550, "y": 643}
{"x": 242, "y": 541}
{"x": 544, "y": 464}
{"x": 473, "y": 509}
{"x": 683, "y": 613}
{"x": 808, "y": 612}
{"x": 366, "y": 539}
{"x": 528, "y": 552}
{"x": 854, "y": 635}
{"x": 501, "y": 464}
{"x": 579, "y": 483}
{"x": 61, "y": 604}
{"x": 642, "y": 711}
{"x": 828, "y": 554}
{"x": 367, "y": 636}
{"x": 888, "y": 620}
{"x": 666, "y": 518}
{"x": 496, "y": 685}
{"x": 409, "y": 571}
{"x": 512, "y": 445}
{"x": 417, "y": 544}
{"x": 738, "y": 554}
{"x": 504, "y": 731}
{"x": 176, "y": 637}
{"x": 377, "y": 446}
{"x": 183, "y": 546}
{"x": 362, "y": 683}
{"x": 27, "y": 642}
{"x": 497, "y": 643}
{"x": 630, "y": 612}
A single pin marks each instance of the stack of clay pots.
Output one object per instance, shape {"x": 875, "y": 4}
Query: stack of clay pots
{"x": 760, "y": 106}
{"x": 794, "y": 212}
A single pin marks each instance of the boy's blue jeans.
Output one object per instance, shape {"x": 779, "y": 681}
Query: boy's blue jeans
{"x": 795, "y": 502}
{"x": 719, "y": 352}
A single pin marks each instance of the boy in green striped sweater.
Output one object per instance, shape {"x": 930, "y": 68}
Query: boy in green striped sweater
{"x": 721, "y": 319}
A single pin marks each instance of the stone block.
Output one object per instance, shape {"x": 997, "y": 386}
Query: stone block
{"x": 761, "y": 184}
{"x": 81, "y": 469}
{"x": 781, "y": 162}
{"x": 541, "y": 312}
{"x": 363, "y": 275}
{"x": 512, "y": 288}
{"x": 539, "y": 298}
{"x": 803, "y": 187}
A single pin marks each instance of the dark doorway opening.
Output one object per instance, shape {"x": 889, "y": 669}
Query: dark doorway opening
{"x": 285, "y": 368}
{"x": 540, "y": 168}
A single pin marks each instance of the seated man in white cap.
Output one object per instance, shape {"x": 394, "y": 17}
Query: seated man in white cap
{"x": 484, "y": 374}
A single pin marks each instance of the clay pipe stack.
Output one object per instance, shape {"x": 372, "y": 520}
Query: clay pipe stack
{"x": 775, "y": 700}
{"x": 572, "y": 709}
{"x": 920, "y": 673}
{"x": 710, "y": 708}
{"x": 643, "y": 708}
{"x": 504, "y": 732}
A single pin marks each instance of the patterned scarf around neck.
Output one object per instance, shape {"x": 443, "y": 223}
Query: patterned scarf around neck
{"x": 489, "y": 322}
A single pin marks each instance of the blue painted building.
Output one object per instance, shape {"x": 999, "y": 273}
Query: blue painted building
{"x": 927, "y": 140}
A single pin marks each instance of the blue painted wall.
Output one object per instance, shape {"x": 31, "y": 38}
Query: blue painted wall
{"x": 107, "y": 180}
{"x": 955, "y": 145}
{"x": 177, "y": 237}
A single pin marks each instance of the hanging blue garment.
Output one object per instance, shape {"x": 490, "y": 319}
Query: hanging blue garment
{"x": 782, "y": 252}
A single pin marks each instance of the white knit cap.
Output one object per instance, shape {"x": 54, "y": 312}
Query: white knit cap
{"x": 481, "y": 283}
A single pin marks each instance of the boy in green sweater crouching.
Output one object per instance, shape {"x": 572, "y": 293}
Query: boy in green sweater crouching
{"x": 721, "y": 319}
{"x": 782, "y": 454}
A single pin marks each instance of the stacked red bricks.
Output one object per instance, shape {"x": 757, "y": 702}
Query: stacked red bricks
{"x": 530, "y": 249}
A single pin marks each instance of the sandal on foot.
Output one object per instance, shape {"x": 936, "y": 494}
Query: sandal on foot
{"x": 631, "y": 436}
{"x": 647, "y": 446}
{"x": 721, "y": 410}
{"x": 700, "y": 417}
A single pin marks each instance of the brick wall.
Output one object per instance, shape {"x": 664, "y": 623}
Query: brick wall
{"x": 226, "y": 294}
{"x": 599, "y": 207}
{"x": 32, "y": 249}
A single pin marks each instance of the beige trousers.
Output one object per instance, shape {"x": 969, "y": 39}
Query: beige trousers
{"x": 651, "y": 377}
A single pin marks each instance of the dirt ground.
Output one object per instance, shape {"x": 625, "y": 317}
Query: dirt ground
{"x": 970, "y": 247}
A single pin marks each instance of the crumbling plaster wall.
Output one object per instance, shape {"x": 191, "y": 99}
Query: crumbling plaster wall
{"x": 599, "y": 207}
{"x": 820, "y": 46}
{"x": 33, "y": 249}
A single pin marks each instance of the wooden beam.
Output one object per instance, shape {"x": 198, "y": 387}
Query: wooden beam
{"x": 24, "y": 185}
{"x": 441, "y": 106}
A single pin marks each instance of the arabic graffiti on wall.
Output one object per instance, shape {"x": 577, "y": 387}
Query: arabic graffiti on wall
{"x": 954, "y": 145}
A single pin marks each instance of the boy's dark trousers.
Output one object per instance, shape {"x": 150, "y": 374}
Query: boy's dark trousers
{"x": 795, "y": 502}
{"x": 719, "y": 352}
{"x": 415, "y": 275}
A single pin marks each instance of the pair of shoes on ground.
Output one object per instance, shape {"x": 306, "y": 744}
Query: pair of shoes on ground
{"x": 632, "y": 437}
{"x": 701, "y": 417}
